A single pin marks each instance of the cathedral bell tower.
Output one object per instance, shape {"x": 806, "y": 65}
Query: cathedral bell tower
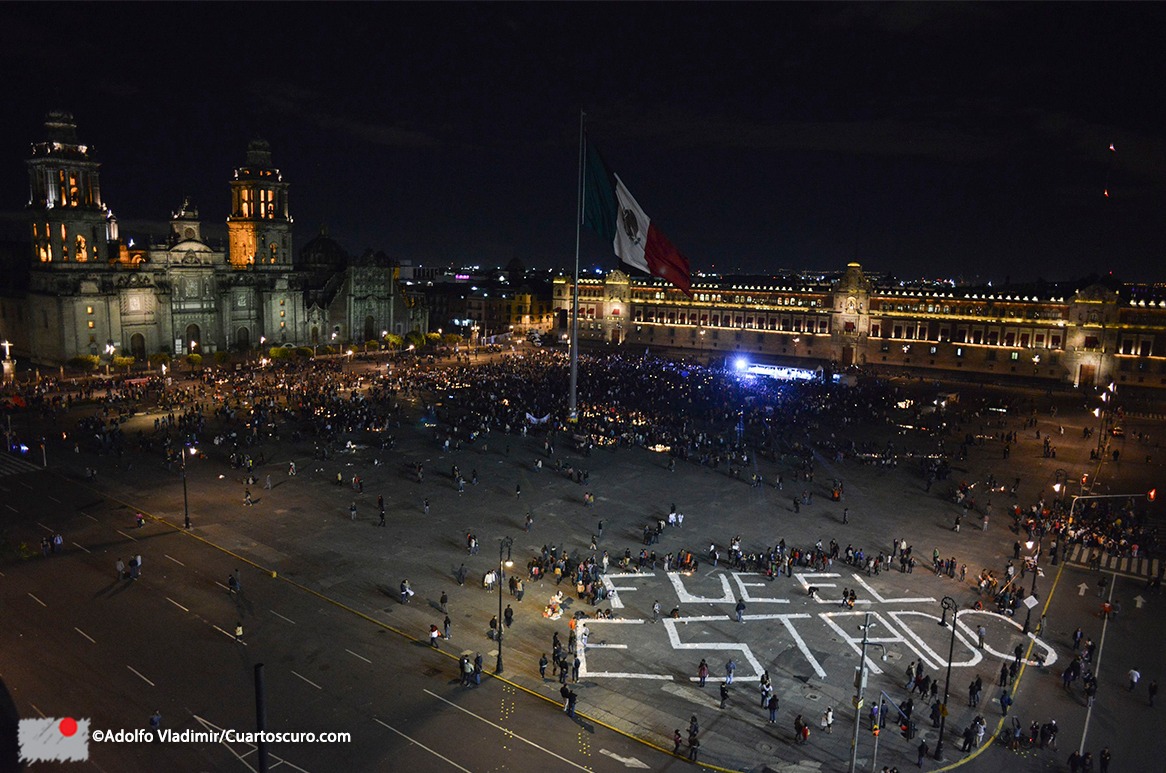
{"x": 70, "y": 226}
{"x": 259, "y": 227}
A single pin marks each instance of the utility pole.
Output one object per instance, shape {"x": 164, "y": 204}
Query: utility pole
{"x": 859, "y": 686}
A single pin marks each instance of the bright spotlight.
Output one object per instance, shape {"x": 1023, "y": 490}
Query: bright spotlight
{"x": 740, "y": 363}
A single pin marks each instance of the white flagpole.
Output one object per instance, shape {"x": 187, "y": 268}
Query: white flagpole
{"x": 572, "y": 398}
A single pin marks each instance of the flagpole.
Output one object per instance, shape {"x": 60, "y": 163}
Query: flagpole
{"x": 572, "y": 398}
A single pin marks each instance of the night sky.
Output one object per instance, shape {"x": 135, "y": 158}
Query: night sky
{"x": 925, "y": 140}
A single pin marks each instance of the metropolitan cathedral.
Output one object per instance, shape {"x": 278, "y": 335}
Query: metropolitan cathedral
{"x": 82, "y": 290}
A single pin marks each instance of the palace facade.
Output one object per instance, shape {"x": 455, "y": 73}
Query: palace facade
{"x": 82, "y": 290}
{"x": 1084, "y": 336}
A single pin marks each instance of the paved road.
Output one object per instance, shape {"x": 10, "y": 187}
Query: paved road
{"x": 637, "y": 675}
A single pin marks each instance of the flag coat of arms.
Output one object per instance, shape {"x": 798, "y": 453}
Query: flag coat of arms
{"x": 611, "y": 211}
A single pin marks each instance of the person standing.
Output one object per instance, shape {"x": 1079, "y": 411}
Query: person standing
{"x": 1152, "y": 688}
{"x": 676, "y": 741}
{"x": 1005, "y": 702}
{"x": 772, "y": 706}
{"x": 575, "y": 666}
{"x": 1134, "y": 675}
{"x": 724, "y": 693}
{"x": 156, "y": 724}
{"x": 542, "y": 666}
{"x": 434, "y": 635}
{"x": 1103, "y": 760}
{"x": 121, "y": 572}
{"x": 702, "y": 671}
{"x": 730, "y": 670}
{"x": 444, "y": 601}
{"x": 740, "y": 609}
{"x": 655, "y": 611}
{"x": 981, "y": 632}
{"x": 352, "y": 510}
{"x": 238, "y": 631}
{"x": 923, "y": 752}
{"x": 445, "y": 625}
{"x": 828, "y": 719}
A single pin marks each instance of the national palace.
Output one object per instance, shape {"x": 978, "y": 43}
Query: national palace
{"x": 1085, "y": 335}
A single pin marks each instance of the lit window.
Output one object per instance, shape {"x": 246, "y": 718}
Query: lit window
{"x": 282, "y": 313}
{"x": 282, "y": 324}
{"x": 88, "y": 309}
{"x": 92, "y": 324}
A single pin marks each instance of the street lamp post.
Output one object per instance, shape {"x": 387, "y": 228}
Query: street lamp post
{"x": 949, "y": 604}
{"x": 859, "y": 686}
{"x": 185, "y": 498}
{"x": 503, "y": 544}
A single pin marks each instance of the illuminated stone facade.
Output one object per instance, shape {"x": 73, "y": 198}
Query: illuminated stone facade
{"x": 85, "y": 291}
{"x": 1083, "y": 336}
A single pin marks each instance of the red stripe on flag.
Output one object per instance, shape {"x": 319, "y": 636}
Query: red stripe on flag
{"x": 665, "y": 261}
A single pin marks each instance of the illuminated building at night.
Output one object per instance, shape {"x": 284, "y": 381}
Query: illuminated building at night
{"x": 83, "y": 290}
{"x": 1080, "y": 335}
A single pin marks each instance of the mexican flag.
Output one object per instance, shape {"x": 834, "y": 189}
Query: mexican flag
{"x": 610, "y": 211}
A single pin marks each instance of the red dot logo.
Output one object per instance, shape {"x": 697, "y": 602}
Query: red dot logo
{"x": 68, "y": 726}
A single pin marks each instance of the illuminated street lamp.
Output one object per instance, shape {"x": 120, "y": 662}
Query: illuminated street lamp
{"x": 506, "y": 543}
{"x": 185, "y": 500}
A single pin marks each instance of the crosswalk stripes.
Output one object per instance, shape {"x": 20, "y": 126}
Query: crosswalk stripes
{"x": 14, "y": 465}
{"x": 1133, "y": 567}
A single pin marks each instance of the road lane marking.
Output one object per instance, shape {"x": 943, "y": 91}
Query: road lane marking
{"x": 510, "y": 733}
{"x": 13, "y": 509}
{"x": 228, "y": 635}
{"x": 175, "y": 603}
{"x": 46, "y": 528}
{"x": 122, "y": 533}
{"x": 90, "y": 517}
{"x": 293, "y": 622}
{"x": 175, "y": 560}
{"x": 25, "y": 485}
{"x": 139, "y": 673}
{"x": 362, "y": 657}
{"x": 224, "y": 587}
{"x": 87, "y": 636}
{"x": 34, "y": 598}
{"x": 55, "y": 500}
{"x": 309, "y": 681}
{"x": 37, "y": 710}
{"x": 423, "y": 746}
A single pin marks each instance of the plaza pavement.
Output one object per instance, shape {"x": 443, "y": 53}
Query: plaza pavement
{"x": 637, "y": 674}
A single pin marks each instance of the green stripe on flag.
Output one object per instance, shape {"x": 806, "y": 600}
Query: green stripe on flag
{"x": 599, "y": 202}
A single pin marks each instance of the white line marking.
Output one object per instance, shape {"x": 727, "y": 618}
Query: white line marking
{"x": 46, "y": 528}
{"x": 1096, "y": 670}
{"x": 175, "y": 560}
{"x": 25, "y": 485}
{"x": 175, "y": 603}
{"x": 34, "y": 598}
{"x": 309, "y": 681}
{"x": 122, "y": 533}
{"x": 423, "y": 746}
{"x": 228, "y": 635}
{"x": 509, "y": 733}
{"x": 87, "y": 551}
{"x": 293, "y": 622}
{"x": 38, "y": 711}
{"x": 362, "y": 657}
{"x": 13, "y": 509}
{"x": 55, "y": 500}
{"x": 144, "y": 679}
{"x": 224, "y": 587}
{"x": 87, "y": 636}
{"x": 90, "y": 517}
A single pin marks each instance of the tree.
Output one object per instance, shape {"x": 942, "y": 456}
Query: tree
{"x": 279, "y": 353}
{"x": 451, "y": 339}
{"x": 194, "y": 360}
{"x": 221, "y": 358}
{"x": 415, "y": 339}
{"x": 86, "y": 363}
{"x": 394, "y": 341}
{"x": 123, "y": 362}
{"x": 159, "y": 359}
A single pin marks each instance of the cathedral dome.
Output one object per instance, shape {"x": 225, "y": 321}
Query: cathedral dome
{"x": 322, "y": 252}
